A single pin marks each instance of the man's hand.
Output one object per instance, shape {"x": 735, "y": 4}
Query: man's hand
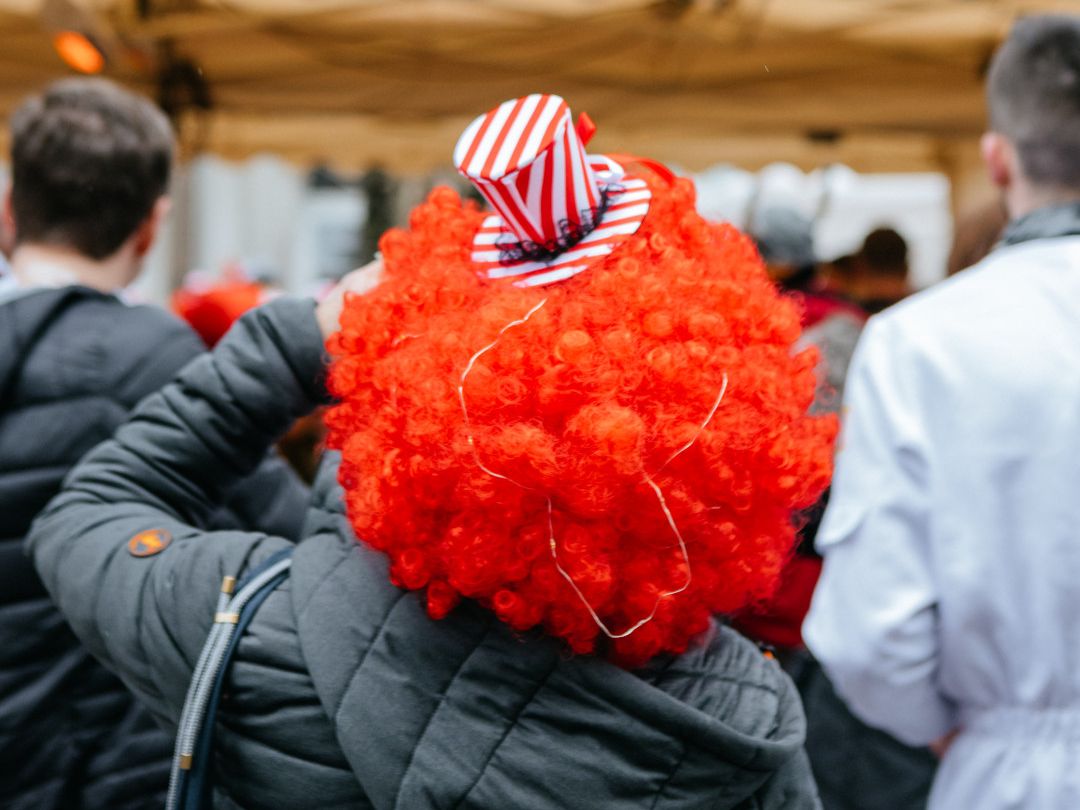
{"x": 358, "y": 282}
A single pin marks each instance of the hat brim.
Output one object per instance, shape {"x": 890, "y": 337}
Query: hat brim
{"x": 627, "y": 207}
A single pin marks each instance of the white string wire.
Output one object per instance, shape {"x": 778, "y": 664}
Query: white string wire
{"x": 550, "y": 506}
{"x": 401, "y": 339}
{"x": 461, "y": 391}
{"x": 700, "y": 430}
{"x": 671, "y": 522}
{"x": 660, "y": 597}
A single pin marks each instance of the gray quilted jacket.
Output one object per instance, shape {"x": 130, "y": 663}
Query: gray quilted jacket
{"x": 73, "y": 363}
{"x": 343, "y": 692}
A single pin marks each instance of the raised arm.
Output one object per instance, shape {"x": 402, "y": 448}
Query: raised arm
{"x": 118, "y": 548}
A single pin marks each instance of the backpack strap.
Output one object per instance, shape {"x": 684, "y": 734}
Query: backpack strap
{"x": 191, "y": 776}
{"x": 46, "y": 320}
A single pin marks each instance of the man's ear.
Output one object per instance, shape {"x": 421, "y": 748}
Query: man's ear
{"x": 999, "y": 156}
{"x": 147, "y": 233}
{"x": 7, "y": 225}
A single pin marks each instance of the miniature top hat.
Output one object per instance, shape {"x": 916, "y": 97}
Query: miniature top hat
{"x": 558, "y": 210}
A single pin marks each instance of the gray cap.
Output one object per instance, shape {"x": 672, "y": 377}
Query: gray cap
{"x": 784, "y": 236}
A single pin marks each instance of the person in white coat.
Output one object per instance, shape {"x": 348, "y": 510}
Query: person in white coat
{"x": 948, "y": 611}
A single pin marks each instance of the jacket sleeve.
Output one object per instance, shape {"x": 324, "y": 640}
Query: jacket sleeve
{"x": 873, "y": 622}
{"x": 273, "y": 498}
{"x": 146, "y": 617}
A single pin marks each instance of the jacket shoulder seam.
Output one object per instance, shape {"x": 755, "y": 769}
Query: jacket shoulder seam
{"x": 510, "y": 725}
{"x": 359, "y": 664}
{"x": 301, "y": 609}
{"x": 431, "y": 716}
{"x": 670, "y": 776}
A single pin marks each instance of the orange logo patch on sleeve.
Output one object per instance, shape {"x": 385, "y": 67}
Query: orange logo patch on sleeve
{"x": 149, "y": 543}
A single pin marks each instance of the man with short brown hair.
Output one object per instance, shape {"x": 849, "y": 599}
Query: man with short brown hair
{"x": 946, "y": 611}
{"x": 90, "y": 170}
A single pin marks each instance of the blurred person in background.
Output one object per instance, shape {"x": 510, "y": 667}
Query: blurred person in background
{"x": 880, "y": 270}
{"x": 946, "y": 611}
{"x": 90, "y": 171}
{"x": 832, "y": 324}
{"x": 496, "y": 604}
{"x": 831, "y": 321}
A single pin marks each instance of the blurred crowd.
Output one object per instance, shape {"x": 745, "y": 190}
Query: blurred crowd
{"x": 913, "y": 645}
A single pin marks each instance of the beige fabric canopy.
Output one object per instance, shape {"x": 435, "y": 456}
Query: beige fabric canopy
{"x": 878, "y": 84}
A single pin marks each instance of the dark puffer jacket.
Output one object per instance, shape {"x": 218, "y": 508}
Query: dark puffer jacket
{"x": 74, "y": 362}
{"x": 343, "y": 693}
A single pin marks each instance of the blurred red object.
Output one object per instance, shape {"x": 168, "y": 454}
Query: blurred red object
{"x": 211, "y": 309}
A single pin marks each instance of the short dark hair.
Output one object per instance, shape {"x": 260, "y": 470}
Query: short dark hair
{"x": 1033, "y": 91}
{"x": 88, "y": 162}
{"x": 886, "y": 251}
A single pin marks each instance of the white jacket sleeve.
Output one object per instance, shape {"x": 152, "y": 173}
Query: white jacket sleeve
{"x": 873, "y": 621}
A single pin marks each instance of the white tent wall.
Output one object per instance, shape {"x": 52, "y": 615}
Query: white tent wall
{"x": 262, "y": 215}
{"x": 326, "y": 234}
{"x": 243, "y": 212}
{"x": 228, "y": 213}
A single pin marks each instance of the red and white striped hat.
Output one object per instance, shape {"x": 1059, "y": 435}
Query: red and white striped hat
{"x": 558, "y": 210}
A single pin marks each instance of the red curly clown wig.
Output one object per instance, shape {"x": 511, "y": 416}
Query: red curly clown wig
{"x": 614, "y": 458}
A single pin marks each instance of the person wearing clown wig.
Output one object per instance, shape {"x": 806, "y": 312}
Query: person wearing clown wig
{"x": 568, "y": 434}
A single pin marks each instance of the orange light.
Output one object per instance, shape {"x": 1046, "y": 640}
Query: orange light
{"x": 79, "y": 52}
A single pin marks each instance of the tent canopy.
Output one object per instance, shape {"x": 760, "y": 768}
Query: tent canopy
{"x": 878, "y": 84}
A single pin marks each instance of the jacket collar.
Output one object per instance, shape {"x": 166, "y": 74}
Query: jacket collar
{"x": 1044, "y": 223}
